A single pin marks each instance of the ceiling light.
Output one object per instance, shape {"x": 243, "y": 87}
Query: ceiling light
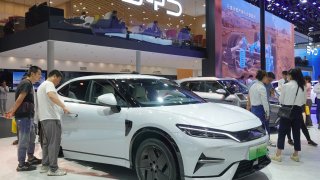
{"x": 303, "y": 1}
{"x": 277, "y": 4}
{"x": 314, "y": 3}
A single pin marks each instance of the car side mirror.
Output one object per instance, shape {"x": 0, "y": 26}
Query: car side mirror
{"x": 221, "y": 91}
{"x": 109, "y": 100}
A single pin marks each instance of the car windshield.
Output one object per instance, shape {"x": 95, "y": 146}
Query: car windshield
{"x": 157, "y": 92}
{"x": 234, "y": 86}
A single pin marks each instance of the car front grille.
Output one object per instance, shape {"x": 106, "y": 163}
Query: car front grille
{"x": 250, "y": 134}
{"x": 247, "y": 167}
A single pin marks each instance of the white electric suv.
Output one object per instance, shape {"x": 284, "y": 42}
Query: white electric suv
{"x": 162, "y": 131}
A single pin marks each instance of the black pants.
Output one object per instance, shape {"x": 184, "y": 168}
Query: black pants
{"x": 287, "y": 124}
{"x": 304, "y": 131}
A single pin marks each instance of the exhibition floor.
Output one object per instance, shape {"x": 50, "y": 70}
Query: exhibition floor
{"x": 307, "y": 169}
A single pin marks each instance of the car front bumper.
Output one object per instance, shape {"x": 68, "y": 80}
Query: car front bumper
{"x": 224, "y": 158}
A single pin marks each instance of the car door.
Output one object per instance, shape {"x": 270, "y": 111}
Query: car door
{"x": 92, "y": 128}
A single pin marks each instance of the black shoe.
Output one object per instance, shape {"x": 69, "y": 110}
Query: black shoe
{"x": 34, "y": 161}
{"x": 312, "y": 143}
{"x": 290, "y": 142}
{"x": 26, "y": 167}
{"x": 15, "y": 142}
{"x": 61, "y": 155}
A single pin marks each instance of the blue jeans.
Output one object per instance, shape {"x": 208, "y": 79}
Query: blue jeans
{"x": 27, "y": 138}
{"x": 318, "y": 110}
{"x": 260, "y": 113}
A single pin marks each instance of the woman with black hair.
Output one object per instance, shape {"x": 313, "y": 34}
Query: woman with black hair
{"x": 259, "y": 100}
{"x": 308, "y": 117}
{"x": 293, "y": 95}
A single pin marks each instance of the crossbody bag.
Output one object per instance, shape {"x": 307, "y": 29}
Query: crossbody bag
{"x": 286, "y": 111}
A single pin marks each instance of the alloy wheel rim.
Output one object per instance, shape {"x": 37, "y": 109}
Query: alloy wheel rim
{"x": 154, "y": 164}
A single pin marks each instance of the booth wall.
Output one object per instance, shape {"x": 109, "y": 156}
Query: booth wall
{"x": 24, "y": 63}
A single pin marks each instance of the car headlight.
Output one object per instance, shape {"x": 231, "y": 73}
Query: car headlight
{"x": 239, "y": 136}
{"x": 203, "y": 132}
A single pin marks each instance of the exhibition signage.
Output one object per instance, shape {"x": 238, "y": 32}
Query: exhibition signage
{"x": 159, "y": 3}
{"x": 312, "y": 51}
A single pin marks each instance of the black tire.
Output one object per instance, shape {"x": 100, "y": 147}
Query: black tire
{"x": 154, "y": 161}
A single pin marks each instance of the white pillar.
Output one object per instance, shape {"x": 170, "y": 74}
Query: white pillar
{"x": 50, "y": 56}
{"x": 138, "y": 61}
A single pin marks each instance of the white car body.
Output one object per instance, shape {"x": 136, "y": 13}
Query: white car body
{"x": 96, "y": 133}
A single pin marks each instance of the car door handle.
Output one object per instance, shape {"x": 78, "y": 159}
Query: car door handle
{"x": 73, "y": 115}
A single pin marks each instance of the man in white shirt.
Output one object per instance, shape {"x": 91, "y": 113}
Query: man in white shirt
{"x": 4, "y": 89}
{"x": 316, "y": 89}
{"x": 282, "y": 81}
{"x": 50, "y": 118}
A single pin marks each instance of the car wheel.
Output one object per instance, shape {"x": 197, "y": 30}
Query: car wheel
{"x": 154, "y": 161}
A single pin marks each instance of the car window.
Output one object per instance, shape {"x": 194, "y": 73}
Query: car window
{"x": 76, "y": 90}
{"x": 100, "y": 87}
{"x": 234, "y": 86}
{"x": 157, "y": 92}
{"x": 186, "y": 85}
{"x": 198, "y": 86}
{"x": 212, "y": 86}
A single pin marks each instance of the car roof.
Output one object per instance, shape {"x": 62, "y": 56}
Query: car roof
{"x": 204, "y": 79}
{"x": 117, "y": 76}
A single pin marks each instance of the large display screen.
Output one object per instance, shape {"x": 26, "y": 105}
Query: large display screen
{"x": 238, "y": 40}
{"x": 17, "y": 76}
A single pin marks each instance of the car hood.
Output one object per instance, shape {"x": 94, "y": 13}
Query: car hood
{"x": 211, "y": 114}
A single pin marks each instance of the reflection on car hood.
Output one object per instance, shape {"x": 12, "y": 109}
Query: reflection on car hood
{"x": 210, "y": 114}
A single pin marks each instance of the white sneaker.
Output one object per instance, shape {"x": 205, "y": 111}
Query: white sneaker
{"x": 276, "y": 158}
{"x": 44, "y": 169}
{"x": 271, "y": 144}
{"x": 58, "y": 172}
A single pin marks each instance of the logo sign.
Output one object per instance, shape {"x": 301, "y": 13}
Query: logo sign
{"x": 312, "y": 51}
{"x": 159, "y": 3}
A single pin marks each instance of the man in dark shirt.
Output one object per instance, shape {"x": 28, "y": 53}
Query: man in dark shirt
{"x": 23, "y": 110}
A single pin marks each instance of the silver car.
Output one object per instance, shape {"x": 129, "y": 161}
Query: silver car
{"x": 228, "y": 91}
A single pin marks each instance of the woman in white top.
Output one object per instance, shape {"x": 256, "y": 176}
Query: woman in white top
{"x": 258, "y": 99}
{"x": 308, "y": 117}
{"x": 293, "y": 94}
